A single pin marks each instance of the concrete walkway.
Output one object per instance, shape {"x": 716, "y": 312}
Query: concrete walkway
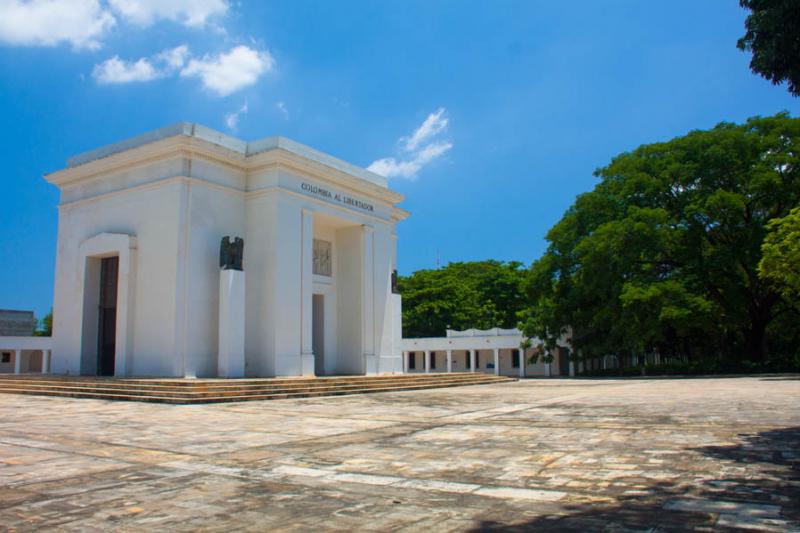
{"x": 712, "y": 454}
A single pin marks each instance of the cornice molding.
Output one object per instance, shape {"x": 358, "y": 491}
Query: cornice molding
{"x": 180, "y": 146}
{"x": 396, "y": 214}
{"x": 155, "y": 184}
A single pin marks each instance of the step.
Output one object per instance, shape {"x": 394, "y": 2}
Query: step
{"x": 181, "y": 382}
{"x": 183, "y": 399}
{"x": 234, "y": 391}
{"x": 243, "y": 383}
{"x": 235, "y": 385}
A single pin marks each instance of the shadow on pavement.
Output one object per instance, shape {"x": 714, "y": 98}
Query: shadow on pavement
{"x": 758, "y": 489}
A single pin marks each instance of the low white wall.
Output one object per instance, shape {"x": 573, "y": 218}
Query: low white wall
{"x": 26, "y": 343}
{"x": 32, "y": 350}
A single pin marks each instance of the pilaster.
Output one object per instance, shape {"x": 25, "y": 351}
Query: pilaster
{"x": 306, "y": 289}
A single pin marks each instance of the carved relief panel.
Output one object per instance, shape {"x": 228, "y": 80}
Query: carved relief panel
{"x": 322, "y": 258}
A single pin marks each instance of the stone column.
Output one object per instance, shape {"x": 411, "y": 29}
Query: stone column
{"x": 46, "y": 361}
{"x": 449, "y": 361}
{"x": 368, "y": 299}
{"x": 572, "y": 369}
{"x": 306, "y": 297}
{"x": 522, "y": 362}
{"x": 405, "y": 362}
{"x": 18, "y": 362}
{"x": 427, "y": 361}
{"x": 230, "y": 349}
{"x": 496, "y": 361}
{"x": 472, "y": 360}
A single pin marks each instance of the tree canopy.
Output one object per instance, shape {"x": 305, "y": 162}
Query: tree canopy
{"x": 45, "y": 326}
{"x": 481, "y": 294}
{"x": 780, "y": 263}
{"x": 773, "y": 35}
{"x": 662, "y": 256}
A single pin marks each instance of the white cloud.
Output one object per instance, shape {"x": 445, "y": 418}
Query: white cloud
{"x": 390, "y": 167}
{"x": 433, "y": 125}
{"x": 174, "y": 58}
{"x": 116, "y": 70}
{"x": 422, "y": 147}
{"x": 227, "y": 73}
{"x": 192, "y": 13}
{"x": 232, "y": 119}
{"x": 81, "y": 23}
{"x": 84, "y": 23}
{"x": 280, "y": 106}
{"x": 223, "y": 74}
{"x": 431, "y": 152}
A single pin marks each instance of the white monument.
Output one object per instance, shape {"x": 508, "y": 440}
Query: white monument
{"x": 139, "y": 289}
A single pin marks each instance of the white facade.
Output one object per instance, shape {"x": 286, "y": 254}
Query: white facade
{"x": 492, "y": 351}
{"x": 319, "y": 251}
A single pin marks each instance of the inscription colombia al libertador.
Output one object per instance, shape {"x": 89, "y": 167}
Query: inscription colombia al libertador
{"x": 336, "y": 197}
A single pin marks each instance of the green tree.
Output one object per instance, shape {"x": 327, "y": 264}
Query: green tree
{"x": 773, "y": 35}
{"x": 45, "y": 326}
{"x": 663, "y": 254}
{"x": 780, "y": 263}
{"x": 482, "y": 294}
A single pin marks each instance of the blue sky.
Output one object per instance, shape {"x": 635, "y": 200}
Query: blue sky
{"x": 490, "y": 116}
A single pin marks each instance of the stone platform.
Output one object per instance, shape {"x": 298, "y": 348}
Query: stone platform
{"x": 195, "y": 391}
{"x": 663, "y": 455}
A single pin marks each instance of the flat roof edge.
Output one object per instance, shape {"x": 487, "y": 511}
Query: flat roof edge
{"x": 181, "y": 128}
{"x": 284, "y": 143}
{"x": 204, "y": 133}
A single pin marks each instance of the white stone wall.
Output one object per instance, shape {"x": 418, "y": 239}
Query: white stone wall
{"x": 348, "y": 264}
{"x": 152, "y": 216}
{"x": 211, "y": 214}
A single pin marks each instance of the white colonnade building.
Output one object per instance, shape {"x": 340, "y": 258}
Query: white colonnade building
{"x": 138, "y": 287}
{"x": 21, "y": 355}
{"x": 492, "y": 351}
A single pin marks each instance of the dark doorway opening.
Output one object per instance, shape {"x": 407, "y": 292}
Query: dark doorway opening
{"x": 318, "y": 333}
{"x": 107, "y": 316}
{"x": 563, "y": 361}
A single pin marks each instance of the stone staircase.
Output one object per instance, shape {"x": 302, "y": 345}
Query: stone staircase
{"x": 197, "y": 391}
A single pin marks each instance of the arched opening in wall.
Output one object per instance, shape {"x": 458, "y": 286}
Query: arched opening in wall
{"x": 107, "y": 316}
{"x": 106, "y": 290}
{"x": 99, "y": 343}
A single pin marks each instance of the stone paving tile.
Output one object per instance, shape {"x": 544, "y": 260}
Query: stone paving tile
{"x": 560, "y": 455}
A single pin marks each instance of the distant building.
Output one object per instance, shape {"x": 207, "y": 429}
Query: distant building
{"x": 20, "y": 351}
{"x": 490, "y": 351}
{"x": 16, "y": 323}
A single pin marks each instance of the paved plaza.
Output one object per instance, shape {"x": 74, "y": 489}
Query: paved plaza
{"x": 617, "y": 455}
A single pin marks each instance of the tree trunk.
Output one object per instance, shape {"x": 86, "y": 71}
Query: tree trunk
{"x": 760, "y": 317}
{"x": 757, "y": 340}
